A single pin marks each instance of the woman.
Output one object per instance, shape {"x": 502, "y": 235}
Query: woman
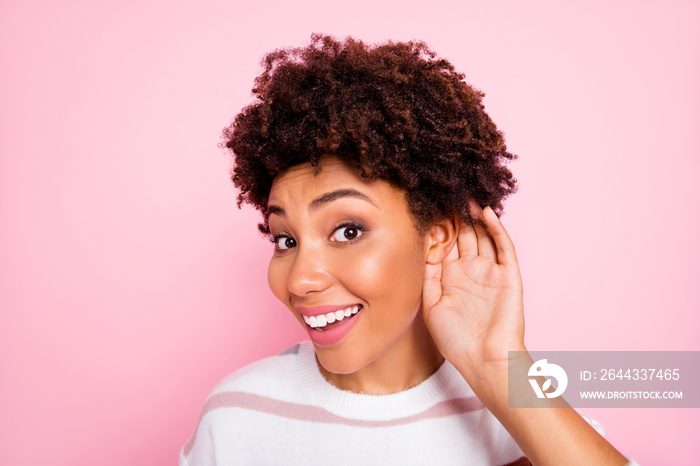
{"x": 380, "y": 176}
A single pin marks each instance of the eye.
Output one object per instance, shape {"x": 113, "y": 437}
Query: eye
{"x": 346, "y": 233}
{"x": 282, "y": 243}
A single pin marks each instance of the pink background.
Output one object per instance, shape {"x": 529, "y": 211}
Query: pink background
{"x": 130, "y": 284}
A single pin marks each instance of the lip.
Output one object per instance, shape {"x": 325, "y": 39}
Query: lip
{"x": 318, "y": 310}
{"x": 334, "y": 335}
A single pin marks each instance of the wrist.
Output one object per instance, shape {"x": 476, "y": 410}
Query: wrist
{"x": 489, "y": 379}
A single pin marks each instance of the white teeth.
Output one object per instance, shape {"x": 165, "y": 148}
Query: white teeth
{"x": 336, "y": 316}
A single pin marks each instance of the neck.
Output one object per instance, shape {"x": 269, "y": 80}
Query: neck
{"x": 411, "y": 360}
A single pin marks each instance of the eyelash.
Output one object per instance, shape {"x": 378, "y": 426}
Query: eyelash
{"x": 356, "y": 225}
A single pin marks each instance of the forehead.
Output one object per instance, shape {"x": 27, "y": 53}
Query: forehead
{"x": 299, "y": 184}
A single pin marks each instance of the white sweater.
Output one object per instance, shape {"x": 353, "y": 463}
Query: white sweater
{"x": 281, "y": 410}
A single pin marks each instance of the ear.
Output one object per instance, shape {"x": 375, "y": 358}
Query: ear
{"x": 440, "y": 240}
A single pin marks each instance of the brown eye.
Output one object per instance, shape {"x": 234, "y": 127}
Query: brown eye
{"x": 344, "y": 234}
{"x": 283, "y": 243}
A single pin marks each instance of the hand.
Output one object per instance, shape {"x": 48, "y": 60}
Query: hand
{"x": 473, "y": 300}
{"x": 473, "y": 308}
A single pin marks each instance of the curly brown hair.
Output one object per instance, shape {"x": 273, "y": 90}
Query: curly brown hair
{"x": 396, "y": 111}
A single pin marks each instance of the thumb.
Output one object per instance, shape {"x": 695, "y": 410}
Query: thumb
{"x": 432, "y": 286}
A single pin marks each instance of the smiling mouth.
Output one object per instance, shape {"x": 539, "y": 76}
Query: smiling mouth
{"x": 323, "y": 322}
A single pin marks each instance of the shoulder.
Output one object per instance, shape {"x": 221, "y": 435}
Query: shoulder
{"x": 265, "y": 377}
{"x": 240, "y": 401}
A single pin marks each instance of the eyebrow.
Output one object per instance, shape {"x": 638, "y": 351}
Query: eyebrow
{"x": 323, "y": 200}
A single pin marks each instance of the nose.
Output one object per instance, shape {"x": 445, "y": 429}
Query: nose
{"x": 310, "y": 272}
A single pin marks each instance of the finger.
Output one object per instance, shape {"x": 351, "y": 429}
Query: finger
{"x": 453, "y": 255}
{"x": 486, "y": 244}
{"x": 505, "y": 249}
{"x": 432, "y": 285}
{"x": 466, "y": 241}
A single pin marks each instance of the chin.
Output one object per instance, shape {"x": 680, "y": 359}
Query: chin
{"x": 333, "y": 361}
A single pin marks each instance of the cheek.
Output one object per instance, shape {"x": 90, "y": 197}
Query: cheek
{"x": 385, "y": 270}
{"x": 277, "y": 280}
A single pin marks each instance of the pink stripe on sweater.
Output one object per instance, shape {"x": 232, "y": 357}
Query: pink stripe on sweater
{"x": 317, "y": 414}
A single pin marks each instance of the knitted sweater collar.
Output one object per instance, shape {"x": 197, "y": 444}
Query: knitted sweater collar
{"x": 445, "y": 384}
